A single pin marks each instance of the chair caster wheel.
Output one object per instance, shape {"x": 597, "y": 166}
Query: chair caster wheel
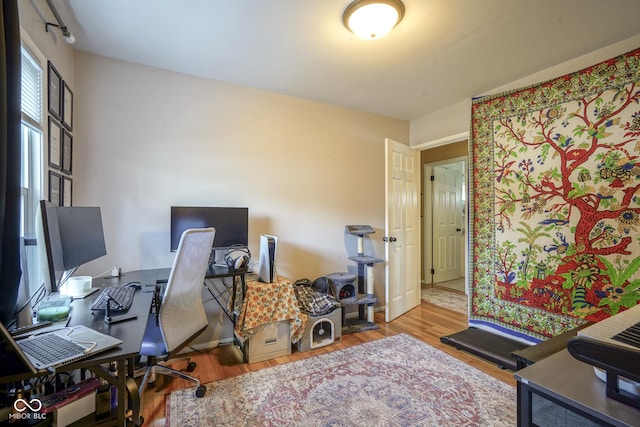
{"x": 191, "y": 366}
{"x": 200, "y": 391}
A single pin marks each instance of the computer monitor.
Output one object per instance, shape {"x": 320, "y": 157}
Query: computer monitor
{"x": 231, "y": 224}
{"x": 49, "y": 244}
{"x": 68, "y": 237}
{"x": 81, "y": 235}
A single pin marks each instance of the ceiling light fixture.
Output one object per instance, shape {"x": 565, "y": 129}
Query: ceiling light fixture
{"x": 68, "y": 37}
{"x": 372, "y": 19}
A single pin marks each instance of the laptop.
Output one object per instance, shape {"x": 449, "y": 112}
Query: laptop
{"x": 61, "y": 347}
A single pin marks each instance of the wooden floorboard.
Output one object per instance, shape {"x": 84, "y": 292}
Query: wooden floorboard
{"x": 427, "y": 322}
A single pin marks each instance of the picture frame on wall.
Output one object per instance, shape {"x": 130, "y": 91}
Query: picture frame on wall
{"x": 55, "y": 188}
{"x": 67, "y": 193}
{"x": 67, "y": 106}
{"x": 67, "y": 148}
{"x": 54, "y": 91}
{"x": 55, "y": 144}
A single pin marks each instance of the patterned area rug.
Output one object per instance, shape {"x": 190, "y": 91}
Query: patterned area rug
{"x": 394, "y": 381}
{"x": 441, "y": 297}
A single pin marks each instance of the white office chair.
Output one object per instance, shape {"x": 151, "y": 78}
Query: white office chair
{"x": 181, "y": 316}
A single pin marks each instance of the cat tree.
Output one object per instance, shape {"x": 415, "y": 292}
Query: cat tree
{"x": 363, "y": 296}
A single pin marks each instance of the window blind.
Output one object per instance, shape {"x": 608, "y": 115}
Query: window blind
{"x": 31, "y": 87}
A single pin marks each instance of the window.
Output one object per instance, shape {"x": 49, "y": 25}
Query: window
{"x": 32, "y": 163}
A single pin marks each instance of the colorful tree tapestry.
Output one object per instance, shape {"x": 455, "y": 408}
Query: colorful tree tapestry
{"x": 555, "y": 201}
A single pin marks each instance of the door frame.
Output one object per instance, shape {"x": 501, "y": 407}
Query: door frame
{"x": 446, "y": 141}
{"x": 432, "y": 144}
{"x": 427, "y": 220}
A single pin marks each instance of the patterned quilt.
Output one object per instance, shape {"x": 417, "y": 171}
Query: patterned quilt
{"x": 314, "y": 302}
{"x": 267, "y": 303}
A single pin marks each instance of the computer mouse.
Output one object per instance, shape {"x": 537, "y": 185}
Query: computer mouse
{"x": 136, "y": 285}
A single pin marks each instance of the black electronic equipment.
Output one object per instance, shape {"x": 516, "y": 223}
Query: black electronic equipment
{"x": 69, "y": 237}
{"x": 612, "y": 346}
{"x": 117, "y": 298}
{"x": 81, "y": 235}
{"x": 619, "y": 362}
{"x": 231, "y": 224}
{"x": 237, "y": 257}
{"x": 49, "y": 244}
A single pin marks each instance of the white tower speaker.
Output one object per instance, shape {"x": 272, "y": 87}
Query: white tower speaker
{"x": 267, "y": 259}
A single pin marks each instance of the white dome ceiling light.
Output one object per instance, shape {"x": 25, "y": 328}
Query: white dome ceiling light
{"x": 372, "y": 19}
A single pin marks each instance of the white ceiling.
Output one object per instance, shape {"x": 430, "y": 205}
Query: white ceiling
{"x": 443, "y": 52}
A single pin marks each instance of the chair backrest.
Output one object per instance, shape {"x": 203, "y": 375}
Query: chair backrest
{"x": 182, "y": 316}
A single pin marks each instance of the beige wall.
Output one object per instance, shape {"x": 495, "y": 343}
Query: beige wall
{"x": 148, "y": 139}
{"x": 46, "y": 46}
{"x": 33, "y": 15}
{"x": 444, "y": 152}
{"x": 456, "y": 119}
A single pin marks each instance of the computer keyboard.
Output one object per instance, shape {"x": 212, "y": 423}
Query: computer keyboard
{"x": 121, "y": 298}
{"x": 50, "y": 348}
{"x": 630, "y": 336}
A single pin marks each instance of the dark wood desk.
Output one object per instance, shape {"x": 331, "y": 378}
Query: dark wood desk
{"x": 131, "y": 332}
{"x": 222, "y": 272}
{"x": 122, "y": 358}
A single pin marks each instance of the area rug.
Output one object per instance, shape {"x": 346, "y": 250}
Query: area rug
{"x": 393, "y": 381}
{"x": 554, "y": 209}
{"x": 443, "y": 298}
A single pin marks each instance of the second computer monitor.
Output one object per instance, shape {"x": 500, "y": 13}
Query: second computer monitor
{"x": 68, "y": 237}
{"x": 81, "y": 235}
{"x": 231, "y": 224}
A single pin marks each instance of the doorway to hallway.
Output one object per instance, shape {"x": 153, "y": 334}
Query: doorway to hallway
{"x": 444, "y": 223}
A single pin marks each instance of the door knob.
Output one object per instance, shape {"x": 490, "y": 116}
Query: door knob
{"x": 389, "y": 239}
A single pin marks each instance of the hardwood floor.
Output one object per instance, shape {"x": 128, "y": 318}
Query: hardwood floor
{"x": 427, "y": 322}
{"x": 454, "y": 285}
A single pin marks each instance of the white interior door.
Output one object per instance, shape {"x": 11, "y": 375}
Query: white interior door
{"x": 402, "y": 229}
{"x": 447, "y": 226}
